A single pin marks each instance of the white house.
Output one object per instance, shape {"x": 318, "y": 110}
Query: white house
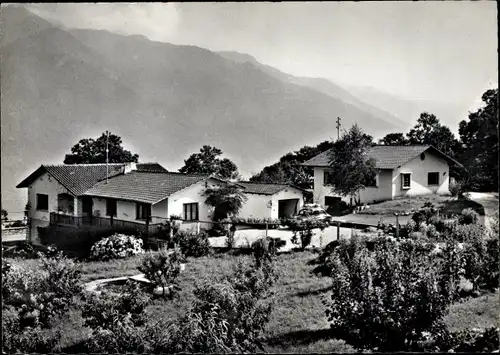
{"x": 81, "y": 194}
{"x": 412, "y": 170}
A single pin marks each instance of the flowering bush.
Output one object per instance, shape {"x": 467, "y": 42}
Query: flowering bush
{"x": 468, "y": 340}
{"x": 192, "y": 243}
{"x": 466, "y": 232}
{"x": 117, "y": 246}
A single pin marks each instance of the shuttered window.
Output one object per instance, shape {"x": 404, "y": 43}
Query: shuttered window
{"x": 143, "y": 211}
{"x": 405, "y": 181}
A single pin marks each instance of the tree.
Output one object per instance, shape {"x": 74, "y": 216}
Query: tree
{"x": 4, "y": 214}
{"x": 394, "y": 139}
{"x": 429, "y": 130}
{"x": 93, "y": 151}
{"x": 288, "y": 169}
{"x": 351, "y": 170}
{"x": 207, "y": 162}
{"x": 226, "y": 200}
{"x": 479, "y": 139}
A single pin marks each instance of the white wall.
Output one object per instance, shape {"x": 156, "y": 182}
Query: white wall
{"x": 192, "y": 194}
{"x": 419, "y": 169}
{"x": 125, "y": 210}
{"x": 368, "y": 195}
{"x": 267, "y": 206}
{"x": 258, "y": 206}
{"x": 45, "y": 184}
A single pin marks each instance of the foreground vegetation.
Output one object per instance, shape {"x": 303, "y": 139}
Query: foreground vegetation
{"x": 435, "y": 287}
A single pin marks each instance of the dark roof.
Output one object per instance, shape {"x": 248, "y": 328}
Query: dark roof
{"x": 263, "y": 188}
{"x": 386, "y": 156}
{"x": 148, "y": 187}
{"x": 77, "y": 178}
{"x": 154, "y": 167}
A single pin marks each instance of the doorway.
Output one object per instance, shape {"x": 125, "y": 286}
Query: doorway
{"x": 287, "y": 208}
{"x": 87, "y": 207}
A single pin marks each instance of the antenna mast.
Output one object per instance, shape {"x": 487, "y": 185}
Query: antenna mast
{"x": 338, "y": 128}
{"x": 107, "y": 150}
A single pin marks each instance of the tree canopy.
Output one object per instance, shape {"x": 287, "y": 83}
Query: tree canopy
{"x": 93, "y": 151}
{"x": 351, "y": 170}
{"x": 394, "y": 139}
{"x": 208, "y": 162}
{"x": 288, "y": 169}
{"x": 226, "y": 200}
{"x": 479, "y": 138}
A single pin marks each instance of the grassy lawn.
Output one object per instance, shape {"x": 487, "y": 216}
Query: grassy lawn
{"x": 298, "y": 323}
{"x": 445, "y": 203}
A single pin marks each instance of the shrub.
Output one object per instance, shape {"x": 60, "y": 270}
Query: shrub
{"x": 114, "y": 319}
{"x": 227, "y": 316}
{"x": 466, "y": 233}
{"x": 387, "y": 298}
{"x": 303, "y": 231}
{"x": 490, "y": 273}
{"x": 162, "y": 268}
{"x": 32, "y": 298}
{"x": 438, "y": 222}
{"x": 117, "y": 246}
{"x": 193, "y": 244}
{"x": 457, "y": 188}
{"x": 450, "y": 266}
{"x": 468, "y": 340}
{"x": 468, "y": 216}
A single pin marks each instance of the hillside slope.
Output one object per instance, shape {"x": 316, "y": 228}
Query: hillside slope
{"x": 164, "y": 100}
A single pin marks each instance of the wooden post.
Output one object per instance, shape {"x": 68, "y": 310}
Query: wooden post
{"x": 338, "y": 230}
{"x": 397, "y": 225}
{"x": 198, "y": 227}
{"x": 266, "y": 229}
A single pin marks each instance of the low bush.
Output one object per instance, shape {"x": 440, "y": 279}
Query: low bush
{"x": 468, "y": 216}
{"x": 465, "y": 233}
{"x": 373, "y": 288}
{"x": 117, "y": 246}
{"x": 114, "y": 319}
{"x": 457, "y": 188}
{"x": 490, "y": 272}
{"x": 193, "y": 244}
{"x": 468, "y": 341}
{"x": 227, "y": 316}
{"x": 32, "y": 298}
{"x": 162, "y": 268}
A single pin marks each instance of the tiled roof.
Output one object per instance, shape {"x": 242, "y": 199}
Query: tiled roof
{"x": 155, "y": 167}
{"x": 386, "y": 156}
{"x": 262, "y": 188}
{"x": 77, "y": 178}
{"x": 145, "y": 187}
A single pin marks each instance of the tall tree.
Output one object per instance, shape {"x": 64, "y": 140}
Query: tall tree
{"x": 429, "y": 130}
{"x": 351, "y": 170}
{"x": 394, "y": 139}
{"x": 93, "y": 151}
{"x": 208, "y": 162}
{"x": 479, "y": 138}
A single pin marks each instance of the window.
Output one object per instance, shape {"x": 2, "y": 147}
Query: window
{"x": 433, "y": 179}
{"x": 143, "y": 211}
{"x": 111, "y": 207}
{"x": 373, "y": 182}
{"x": 326, "y": 177}
{"x": 191, "y": 211}
{"x": 42, "y": 202}
{"x": 405, "y": 181}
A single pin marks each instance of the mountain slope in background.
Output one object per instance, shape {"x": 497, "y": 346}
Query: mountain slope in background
{"x": 319, "y": 84}
{"x": 409, "y": 109}
{"x": 164, "y": 100}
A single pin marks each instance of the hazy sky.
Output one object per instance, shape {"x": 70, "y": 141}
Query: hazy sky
{"x": 445, "y": 51}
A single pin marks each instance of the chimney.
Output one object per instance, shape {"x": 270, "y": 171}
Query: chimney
{"x": 129, "y": 167}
